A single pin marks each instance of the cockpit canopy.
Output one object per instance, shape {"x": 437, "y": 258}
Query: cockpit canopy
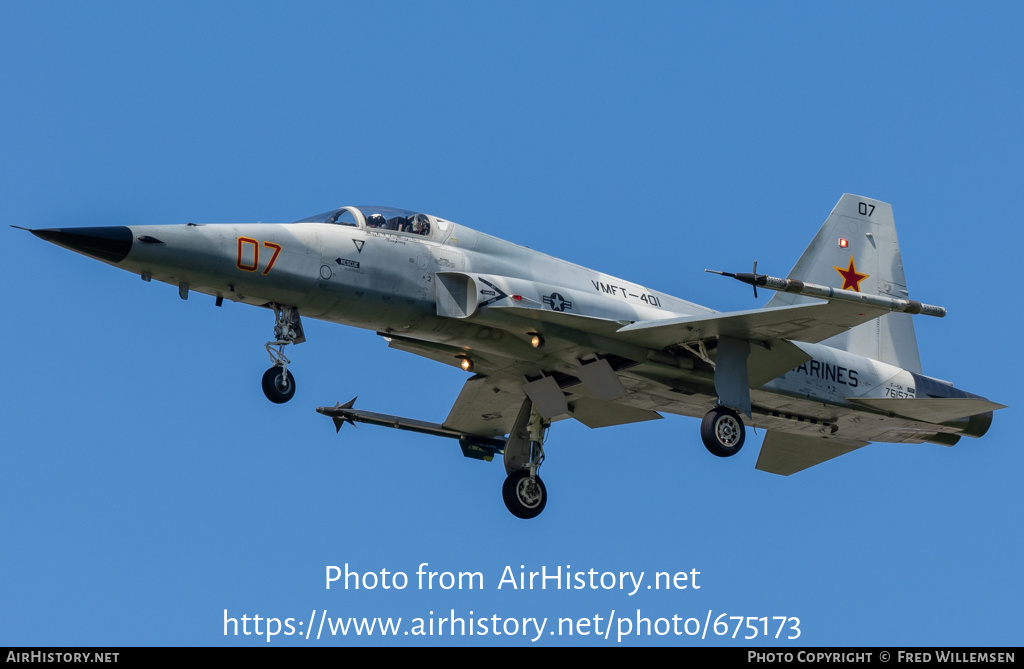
{"x": 379, "y": 218}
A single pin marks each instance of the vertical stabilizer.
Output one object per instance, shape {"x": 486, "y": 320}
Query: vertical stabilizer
{"x": 856, "y": 249}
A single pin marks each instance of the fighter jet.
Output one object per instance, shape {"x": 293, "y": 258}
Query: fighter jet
{"x": 827, "y": 366}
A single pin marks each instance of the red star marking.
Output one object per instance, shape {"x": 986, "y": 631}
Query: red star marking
{"x": 851, "y": 278}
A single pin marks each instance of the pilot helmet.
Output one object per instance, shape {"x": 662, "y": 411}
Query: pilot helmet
{"x": 420, "y": 223}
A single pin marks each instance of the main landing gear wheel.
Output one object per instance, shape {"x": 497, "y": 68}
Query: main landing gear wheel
{"x": 524, "y": 496}
{"x": 278, "y": 385}
{"x": 722, "y": 432}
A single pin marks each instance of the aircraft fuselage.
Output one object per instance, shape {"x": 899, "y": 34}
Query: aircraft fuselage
{"x": 386, "y": 281}
{"x": 549, "y": 339}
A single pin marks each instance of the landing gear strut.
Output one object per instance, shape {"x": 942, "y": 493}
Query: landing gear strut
{"x": 722, "y": 432}
{"x": 523, "y": 492}
{"x": 278, "y": 382}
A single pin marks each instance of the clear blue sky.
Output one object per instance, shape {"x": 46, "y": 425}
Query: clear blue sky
{"x": 147, "y": 485}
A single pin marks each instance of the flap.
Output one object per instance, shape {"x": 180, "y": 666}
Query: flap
{"x": 487, "y": 406}
{"x": 597, "y": 413}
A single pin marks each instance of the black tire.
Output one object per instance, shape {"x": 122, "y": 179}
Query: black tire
{"x": 523, "y": 498}
{"x": 278, "y": 387}
{"x": 722, "y": 432}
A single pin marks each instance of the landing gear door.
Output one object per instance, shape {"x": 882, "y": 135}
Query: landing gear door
{"x": 517, "y": 447}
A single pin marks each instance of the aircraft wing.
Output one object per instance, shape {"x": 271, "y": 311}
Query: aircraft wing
{"x": 490, "y": 400}
{"x": 488, "y": 405}
{"x": 772, "y": 327}
{"x": 809, "y": 323}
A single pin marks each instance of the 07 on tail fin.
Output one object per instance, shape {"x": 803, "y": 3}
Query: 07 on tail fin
{"x": 856, "y": 249}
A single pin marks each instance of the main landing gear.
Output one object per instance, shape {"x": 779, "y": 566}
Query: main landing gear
{"x": 523, "y": 492}
{"x": 722, "y": 431}
{"x": 278, "y": 382}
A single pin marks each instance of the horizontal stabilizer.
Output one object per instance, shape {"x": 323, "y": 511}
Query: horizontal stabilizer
{"x": 787, "y": 454}
{"x": 930, "y": 409}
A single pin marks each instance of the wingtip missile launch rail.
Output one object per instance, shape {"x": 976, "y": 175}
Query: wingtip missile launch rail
{"x": 829, "y": 293}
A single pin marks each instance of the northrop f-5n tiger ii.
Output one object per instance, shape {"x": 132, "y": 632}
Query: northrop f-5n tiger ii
{"x": 828, "y": 365}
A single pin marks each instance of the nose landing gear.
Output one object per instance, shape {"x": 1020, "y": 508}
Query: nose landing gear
{"x": 278, "y": 382}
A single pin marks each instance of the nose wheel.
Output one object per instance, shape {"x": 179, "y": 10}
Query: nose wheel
{"x": 278, "y": 385}
{"x": 278, "y": 382}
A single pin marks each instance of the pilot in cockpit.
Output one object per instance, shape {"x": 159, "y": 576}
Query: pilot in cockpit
{"x": 376, "y": 221}
{"x": 420, "y": 224}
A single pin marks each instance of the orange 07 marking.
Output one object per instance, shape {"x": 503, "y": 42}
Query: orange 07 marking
{"x": 246, "y": 266}
{"x": 242, "y": 241}
{"x": 240, "y": 262}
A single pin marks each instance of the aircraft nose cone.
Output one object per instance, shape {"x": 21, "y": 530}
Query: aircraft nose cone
{"x": 110, "y": 243}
